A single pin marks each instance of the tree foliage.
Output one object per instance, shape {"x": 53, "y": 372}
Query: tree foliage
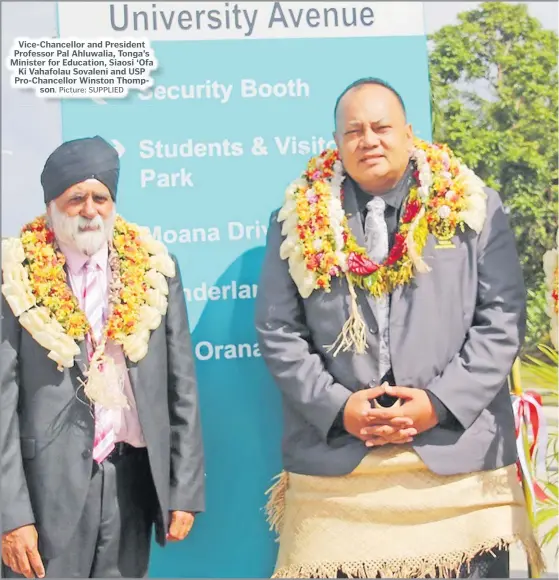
{"x": 494, "y": 88}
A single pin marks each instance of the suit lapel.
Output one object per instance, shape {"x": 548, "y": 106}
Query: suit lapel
{"x": 133, "y": 372}
{"x": 83, "y": 355}
{"x": 79, "y": 369}
{"x": 398, "y": 304}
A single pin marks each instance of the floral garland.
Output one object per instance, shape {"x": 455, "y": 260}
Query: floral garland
{"x": 320, "y": 246}
{"x": 36, "y": 289}
{"x": 551, "y": 269}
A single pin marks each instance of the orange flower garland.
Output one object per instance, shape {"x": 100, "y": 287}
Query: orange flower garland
{"x": 50, "y": 288}
{"x": 319, "y": 245}
{"x": 48, "y": 278}
{"x": 134, "y": 263}
{"x": 35, "y": 286}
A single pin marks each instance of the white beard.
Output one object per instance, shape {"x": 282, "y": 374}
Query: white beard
{"x": 68, "y": 230}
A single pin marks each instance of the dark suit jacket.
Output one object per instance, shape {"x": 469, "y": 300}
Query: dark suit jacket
{"x": 454, "y": 332}
{"x": 47, "y": 433}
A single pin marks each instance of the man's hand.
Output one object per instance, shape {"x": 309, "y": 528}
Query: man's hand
{"x": 357, "y": 422}
{"x": 180, "y": 526}
{"x": 416, "y": 407}
{"x": 20, "y": 552}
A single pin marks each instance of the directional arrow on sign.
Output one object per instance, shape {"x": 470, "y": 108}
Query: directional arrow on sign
{"x": 119, "y": 147}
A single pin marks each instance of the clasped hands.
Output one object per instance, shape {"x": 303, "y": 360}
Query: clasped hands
{"x": 398, "y": 425}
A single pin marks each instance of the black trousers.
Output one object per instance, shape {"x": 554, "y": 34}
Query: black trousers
{"x": 489, "y": 565}
{"x": 113, "y": 535}
{"x": 486, "y": 565}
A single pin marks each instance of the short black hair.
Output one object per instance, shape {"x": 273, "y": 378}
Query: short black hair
{"x": 368, "y": 81}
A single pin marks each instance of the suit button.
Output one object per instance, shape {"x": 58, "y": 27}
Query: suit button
{"x": 86, "y": 453}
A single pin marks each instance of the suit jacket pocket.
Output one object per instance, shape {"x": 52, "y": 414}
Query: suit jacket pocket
{"x": 445, "y": 258}
{"x": 27, "y": 447}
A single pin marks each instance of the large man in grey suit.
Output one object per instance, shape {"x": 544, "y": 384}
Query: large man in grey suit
{"x": 398, "y": 378}
{"x": 101, "y": 436}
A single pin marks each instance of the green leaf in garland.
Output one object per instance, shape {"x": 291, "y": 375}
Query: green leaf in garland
{"x": 370, "y": 280}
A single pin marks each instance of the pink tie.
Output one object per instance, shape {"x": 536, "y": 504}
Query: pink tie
{"x": 94, "y": 307}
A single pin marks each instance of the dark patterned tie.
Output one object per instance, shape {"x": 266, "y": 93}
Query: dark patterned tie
{"x": 376, "y": 236}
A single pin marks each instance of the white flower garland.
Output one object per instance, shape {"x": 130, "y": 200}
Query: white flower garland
{"x": 473, "y": 215}
{"x": 48, "y": 332}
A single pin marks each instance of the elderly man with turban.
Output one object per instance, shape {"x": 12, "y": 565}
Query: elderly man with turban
{"x": 101, "y": 437}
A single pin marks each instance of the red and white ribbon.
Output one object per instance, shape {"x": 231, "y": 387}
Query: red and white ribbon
{"x": 528, "y": 410}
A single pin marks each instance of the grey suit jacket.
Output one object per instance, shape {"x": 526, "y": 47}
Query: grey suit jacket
{"x": 47, "y": 433}
{"x": 454, "y": 331}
